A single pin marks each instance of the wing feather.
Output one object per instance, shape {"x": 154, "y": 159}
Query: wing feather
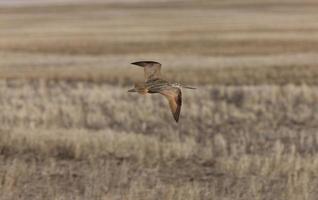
{"x": 151, "y": 69}
{"x": 174, "y": 97}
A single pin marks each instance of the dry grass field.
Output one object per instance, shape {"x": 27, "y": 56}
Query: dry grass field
{"x": 70, "y": 130}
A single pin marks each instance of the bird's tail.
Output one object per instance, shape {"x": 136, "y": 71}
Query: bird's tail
{"x": 140, "y": 88}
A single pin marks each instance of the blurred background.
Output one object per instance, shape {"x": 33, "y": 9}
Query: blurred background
{"x": 70, "y": 130}
{"x": 192, "y": 39}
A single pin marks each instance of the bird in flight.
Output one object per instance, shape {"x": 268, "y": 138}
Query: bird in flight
{"x": 155, "y": 84}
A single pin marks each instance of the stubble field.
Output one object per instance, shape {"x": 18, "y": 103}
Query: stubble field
{"x": 70, "y": 130}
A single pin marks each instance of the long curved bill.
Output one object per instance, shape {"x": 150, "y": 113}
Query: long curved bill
{"x": 188, "y": 87}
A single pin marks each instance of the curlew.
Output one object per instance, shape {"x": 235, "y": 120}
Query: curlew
{"x": 155, "y": 84}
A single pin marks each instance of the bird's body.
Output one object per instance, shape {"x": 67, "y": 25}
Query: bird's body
{"x": 155, "y": 84}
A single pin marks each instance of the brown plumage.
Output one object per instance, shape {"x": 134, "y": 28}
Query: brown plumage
{"x": 155, "y": 84}
{"x": 174, "y": 97}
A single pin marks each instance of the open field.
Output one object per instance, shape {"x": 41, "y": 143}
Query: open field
{"x": 72, "y": 140}
{"x": 70, "y": 130}
{"x": 231, "y": 39}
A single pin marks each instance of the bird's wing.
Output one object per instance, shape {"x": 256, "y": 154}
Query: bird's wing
{"x": 151, "y": 68}
{"x": 174, "y": 96}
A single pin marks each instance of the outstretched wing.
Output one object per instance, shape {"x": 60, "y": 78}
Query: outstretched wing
{"x": 151, "y": 68}
{"x": 174, "y": 96}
